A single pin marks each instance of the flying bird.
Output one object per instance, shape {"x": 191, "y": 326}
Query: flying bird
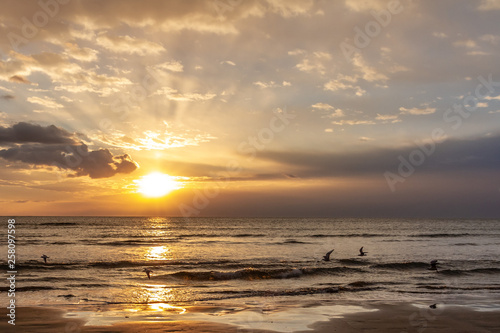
{"x": 148, "y": 271}
{"x": 44, "y": 258}
{"x": 326, "y": 257}
{"x": 433, "y": 306}
{"x": 433, "y": 265}
{"x": 361, "y": 252}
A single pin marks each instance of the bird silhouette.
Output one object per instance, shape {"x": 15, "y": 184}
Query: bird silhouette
{"x": 433, "y": 266}
{"x": 148, "y": 272}
{"x": 326, "y": 257}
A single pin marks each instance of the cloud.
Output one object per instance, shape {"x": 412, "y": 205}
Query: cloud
{"x": 314, "y": 62}
{"x": 46, "y": 101}
{"x": 173, "y": 66}
{"x": 288, "y": 8}
{"x": 468, "y": 43}
{"x": 66, "y": 75}
{"x": 474, "y": 154}
{"x": 417, "y": 111}
{"x": 489, "y": 38}
{"x": 368, "y": 73}
{"x": 322, "y": 106}
{"x": 344, "y": 83}
{"x": 353, "y": 122}
{"x": 24, "y": 132}
{"x": 489, "y": 5}
{"x": 360, "y": 6}
{"x": 386, "y": 116}
{"x": 54, "y": 146}
{"x": 174, "y": 95}
{"x": 19, "y": 79}
{"x": 84, "y": 54}
{"x": 439, "y": 35}
{"x": 228, "y": 62}
{"x": 271, "y": 84}
{"x": 328, "y": 107}
{"x": 130, "y": 45}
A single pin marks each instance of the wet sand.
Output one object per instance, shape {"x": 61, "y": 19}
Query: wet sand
{"x": 376, "y": 317}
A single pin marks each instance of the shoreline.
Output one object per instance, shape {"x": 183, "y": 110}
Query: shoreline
{"x": 344, "y": 317}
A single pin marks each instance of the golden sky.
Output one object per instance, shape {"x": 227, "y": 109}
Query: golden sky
{"x": 250, "y": 108}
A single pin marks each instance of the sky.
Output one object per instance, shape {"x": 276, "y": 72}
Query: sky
{"x": 345, "y": 108}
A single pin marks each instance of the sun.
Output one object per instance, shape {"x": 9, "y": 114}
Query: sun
{"x": 156, "y": 184}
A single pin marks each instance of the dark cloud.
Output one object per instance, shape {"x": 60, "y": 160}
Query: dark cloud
{"x": 53, "y": 146}
{"x": 450, "y": 155}
{"x": 19, "y": 79}
{"x": 24, "y": 132}
{"x": 7, "y": 97}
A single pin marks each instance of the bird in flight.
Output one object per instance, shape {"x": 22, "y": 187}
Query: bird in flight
{"x": 433, "y": 306}
{"x": 44, "y": 258}
{"x": 433, "y": 265}
{"x": 361, "y": 252}
{"x": 148, "y": 272}
{"x": 326, "y": 257}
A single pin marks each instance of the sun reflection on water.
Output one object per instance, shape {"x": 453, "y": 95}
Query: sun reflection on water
{"x": 158, "y": 253}
{"x": 167, "y": 307}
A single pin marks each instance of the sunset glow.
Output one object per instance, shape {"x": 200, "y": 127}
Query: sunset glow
{"x": 297, "y": 107}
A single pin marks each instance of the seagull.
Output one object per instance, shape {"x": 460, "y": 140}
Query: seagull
{"x": 44, "y": 258}
{"x": 433, "y": 266}
{"x": 148, "y": 271}
{"x": 326, "y": 257}
{"x": 433, "y": 306}
{"x": 361, "y": 253}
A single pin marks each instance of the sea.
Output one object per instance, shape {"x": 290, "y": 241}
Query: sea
{"x": 201, "y": 261}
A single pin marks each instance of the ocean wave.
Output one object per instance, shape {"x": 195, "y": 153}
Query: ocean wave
{"x": 130, "y": 242}
{"x": 257, "y": 274}
{"x": 442, "y": 287}
{"x": 362, "y": 284}
{"x": 126, "y": 263}
{"x": 490, "y": 270}
{"x": 354, "y": 262}
{"x": 442, "y": 235}
{"x": 91, "y": 285}
{"x": 350, "y": 235}
{"x": 292, "y": 241}
{"x": 232, "y": 294}
{"x": 402, "y": 265}
{"x": 31, "y": 288}
{"x": 59, "y": 224}
{"x": 36, "y": 265}
{"x": 211, "y": 235}
{"x": 248, "y": 235}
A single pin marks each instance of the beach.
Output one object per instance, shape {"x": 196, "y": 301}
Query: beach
{"x": 373, "y": 317}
